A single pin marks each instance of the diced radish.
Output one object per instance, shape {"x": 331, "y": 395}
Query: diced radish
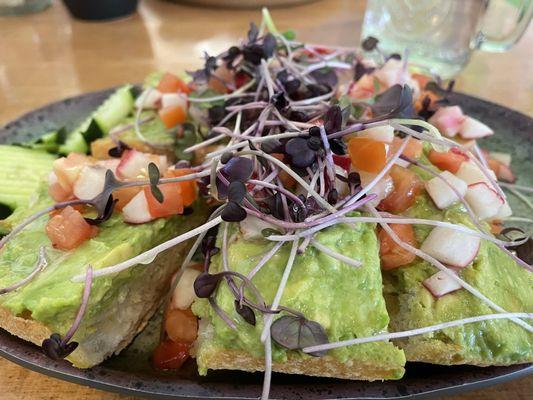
{"x": 68, "y": 229}
{"x": 471, "y": 128}
{"x": 252, "y": 227}
{"x": 183, "y": 295}
{"x": 504, "y": 158}
{"x": 382, "y": 189}
{"x": 135, "y": 163}
{"x": 484, "y": 200}
{"x": 90, "y": 182}
{"x": 173, "y": 99}
{"x": 504, "y": 211}
{"x": 441, "y": 193}
{"x": 392, "y": 73}
{"x": 111, "y": 164}
{"x": 470, "y": 173}
{"x": 440, "y": 284}
{"x": 136, "y": 211}
{"x": 150, "y": 98}
{"x": 380, "y": 133}
{"x": 342, "y": 186}
{"x": 342, "y": 161}
{"x": 448, "y": 120}
{"x": 451, "y": 247}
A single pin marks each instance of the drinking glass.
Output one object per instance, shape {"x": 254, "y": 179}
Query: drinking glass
{"x": 440, "y": 35}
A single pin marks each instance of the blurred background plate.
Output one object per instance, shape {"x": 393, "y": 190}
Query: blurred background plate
{"x": 243, "y": 3}
{"x": 131, "y": 372}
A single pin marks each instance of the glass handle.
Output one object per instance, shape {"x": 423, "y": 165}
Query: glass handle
{"x": 487, "y": 43}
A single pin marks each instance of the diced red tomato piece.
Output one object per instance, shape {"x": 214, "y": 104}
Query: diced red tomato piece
{"x": 407, "y": 186}
{"x": 343, "y": 162}
{"x": 170, "y": 83}
{"x": 124, "y": 196}
{"x": 58, "y": 193}
{"x": 68, "y": 229}
{"x": 172, "y": 200}
{"x": 363, "y": 88}
{"x": 241, "y": 79}
{"x": 181, "y": 325}
{"x": 367, "y": 154}
{"x": 172, "y": 116}
{"x": 448, "y": 161}
{"x": 171, "y": 355}
{"x": 391, "y": 254}
{"x": 413, "y": 150}
{"x": 188, "y": 188}
{"x": 421, "y": 79}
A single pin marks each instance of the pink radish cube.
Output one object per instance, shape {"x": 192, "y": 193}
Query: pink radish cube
{"x": 452, "y": 247}
{"x": 441, "y": 192}
{"x": 483, "y": 200}
{"x": 471, "y": 128}
{"x": 137, "y": 211}
{"x": 440, "y": 284}
{"x": 448, "y": 120}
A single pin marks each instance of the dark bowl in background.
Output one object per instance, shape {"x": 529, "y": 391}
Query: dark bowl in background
{"x": 100, "y": 10}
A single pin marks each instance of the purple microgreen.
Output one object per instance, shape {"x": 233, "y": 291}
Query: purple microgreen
{"x": 369, "y": 43}
{"x": 279, "y": 101}
{"x": 246, "y": 312}
{"x": 272, "y": 146}
{"x": 233, "y": 212}
{"x": 395, "y": 102}
{"x": 238, "y": 169}
{"x": 154, "y": 177}
{"x": 236, "y": 192}
{"x": 269, "y": 45}
{"x": 338, "y": 146}
{"x": 360, "y": 70}
{"x": 118, "y": 150}
{"x": 225, "y": 157}
{"x": 205, "y": 284}
{"x": 56, "y": 348}
{"x": 333, "y": 196}
{"x": 107, "y": 213}
{"x": 295, "y": 333}
{"x": 301, "y": 156}
{"x": 253, "y": 32}
{"x": 326, "y": 77}
{"x": 333, "y": 119}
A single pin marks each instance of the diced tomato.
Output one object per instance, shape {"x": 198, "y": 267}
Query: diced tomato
{"x": 170, "y": 83}
{"x": 100, "y": 148}
{"x": 172, "y": 116}
{"x": 363, "y": 88}
{"x": 288, "y": 181}
{"x": 502, "y": 171}
{"x": 496, "y": 226}
{"x": 172, "y": 200}
{"x": 124, "y": 196}
{"x": 448, "y": 161}
{"x": 421, "y": 79}
{"x": 188, "y": 188}
{"x": 407, "y": 186}
{"x": 367, "y": 154}
{"x": 58, "y": 193}
{"x": 68, "y": 229}
{"x": 181, "y": 325}
{"x": 413, "y": 150}
{"x": 391, "y": 254}
{"x": 241, "y": 79}
{"x": 171, "y": 355}
{"x": 343, "y": 162}
{"x": 67, "y": 169}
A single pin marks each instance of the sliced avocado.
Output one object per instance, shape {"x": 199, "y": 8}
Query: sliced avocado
{"x": 107, "y": 115}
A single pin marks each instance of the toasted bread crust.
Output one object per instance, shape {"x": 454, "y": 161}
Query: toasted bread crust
{"x": 327, "y": 366}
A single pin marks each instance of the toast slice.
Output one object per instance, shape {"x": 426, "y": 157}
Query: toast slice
{"x": 347, "y": 301}
{"x": 119, "y": 305}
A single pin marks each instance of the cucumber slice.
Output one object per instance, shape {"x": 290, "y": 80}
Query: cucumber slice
{"x": 21, "y": 173}
{"x": 107, "y": 115}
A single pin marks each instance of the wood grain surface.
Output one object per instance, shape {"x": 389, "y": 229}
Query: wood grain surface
{"x": 49, "y": 56}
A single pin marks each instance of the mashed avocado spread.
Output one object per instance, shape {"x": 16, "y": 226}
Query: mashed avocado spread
{"x": 347, "y": 301}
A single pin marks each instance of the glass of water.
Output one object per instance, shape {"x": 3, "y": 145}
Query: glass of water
{"x": 440, "y": 35}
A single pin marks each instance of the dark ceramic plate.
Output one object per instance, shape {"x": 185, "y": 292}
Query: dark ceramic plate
{"x": 131, "y": 373}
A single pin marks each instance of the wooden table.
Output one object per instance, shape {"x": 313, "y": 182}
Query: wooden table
{"x": 49, "y": 56}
